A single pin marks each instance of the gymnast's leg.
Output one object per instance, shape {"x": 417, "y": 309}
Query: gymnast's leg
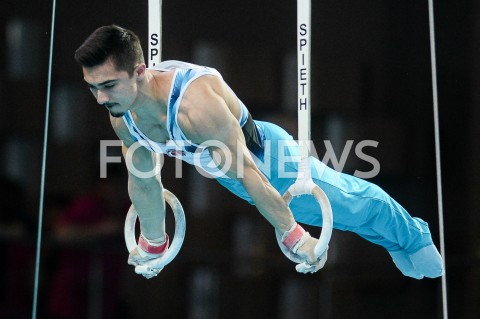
{"x": 383, "y": 221}
{"x": 358, "y": 206}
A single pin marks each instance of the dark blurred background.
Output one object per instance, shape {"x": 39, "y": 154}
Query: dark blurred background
{"x": 371, "y": 79}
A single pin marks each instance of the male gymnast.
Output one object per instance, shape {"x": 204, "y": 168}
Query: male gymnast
{"x": 178, "y": 108}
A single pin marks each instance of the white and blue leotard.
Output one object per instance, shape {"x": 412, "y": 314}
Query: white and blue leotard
{"x": 358, "y": 206}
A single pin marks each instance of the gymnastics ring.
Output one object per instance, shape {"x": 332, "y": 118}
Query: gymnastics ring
{"x": 310, "y": 188}
{"x": 179, "y": 236}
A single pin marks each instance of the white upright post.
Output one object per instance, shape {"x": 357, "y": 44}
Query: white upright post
{"x": 154, "y": 32}
{"x": 303, "y": 65}
{"x": 304, "y": 184}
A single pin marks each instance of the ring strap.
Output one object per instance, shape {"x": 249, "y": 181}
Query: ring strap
{"x": 293, "y": 237}
{"x": 148, "y": 247}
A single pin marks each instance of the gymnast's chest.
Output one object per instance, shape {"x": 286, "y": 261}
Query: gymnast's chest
{"x": 154, "y": 132}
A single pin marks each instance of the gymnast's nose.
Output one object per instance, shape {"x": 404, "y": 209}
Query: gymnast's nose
{"x": 102, "y": 97}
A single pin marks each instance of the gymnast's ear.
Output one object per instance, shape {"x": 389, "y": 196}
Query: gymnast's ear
{"x": 140, "y": 71}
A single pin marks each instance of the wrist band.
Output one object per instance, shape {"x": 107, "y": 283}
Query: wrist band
{"x": 146, "y": 246}
{"x": 293, "y": 237}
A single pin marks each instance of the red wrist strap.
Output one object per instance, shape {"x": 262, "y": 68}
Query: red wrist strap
{"x": 294, "y": 236}
{"x": 149, "y": 248}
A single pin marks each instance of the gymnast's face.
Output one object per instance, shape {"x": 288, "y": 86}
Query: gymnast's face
{"x": 116, "y": 90}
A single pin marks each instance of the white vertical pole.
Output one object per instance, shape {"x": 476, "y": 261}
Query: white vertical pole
{"x": 303, "y": 65}
{"x": 44, "y": 167}
{"x": 155, "y": 45}
{"x": 154, "y": 32}
{"x": 433, "y": 61}
{"x": 304, "y": 183}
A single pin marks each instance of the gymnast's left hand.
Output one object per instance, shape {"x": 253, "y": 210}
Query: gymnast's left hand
{"x": 302, "y": 245}
{"x": 306, "y": 252}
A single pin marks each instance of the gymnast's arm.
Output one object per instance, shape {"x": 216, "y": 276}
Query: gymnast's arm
{"x": 204, "y": 115}
{"x": 146, "y": 194}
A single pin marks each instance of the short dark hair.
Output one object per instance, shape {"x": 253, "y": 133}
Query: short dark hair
{"x": 111, "y": 42}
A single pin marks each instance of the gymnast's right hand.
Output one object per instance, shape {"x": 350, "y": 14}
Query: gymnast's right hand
{"x": 144, "y": 253}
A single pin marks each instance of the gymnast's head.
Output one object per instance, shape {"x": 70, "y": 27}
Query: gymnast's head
{"x": 113, "y": 67}
{"x": 112, "y": 42}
